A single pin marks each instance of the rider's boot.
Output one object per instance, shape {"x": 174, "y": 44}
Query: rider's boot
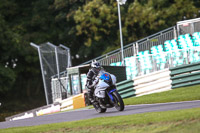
{"x": 91, "y": 98}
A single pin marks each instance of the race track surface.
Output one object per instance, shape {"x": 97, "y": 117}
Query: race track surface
{"x": 91, "y": 113}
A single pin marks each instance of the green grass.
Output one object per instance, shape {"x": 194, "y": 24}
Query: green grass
{"x": 182, "y": 121}
{"x": 175, "y": 95}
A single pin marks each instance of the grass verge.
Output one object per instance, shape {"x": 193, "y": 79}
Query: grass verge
{"x": 183, "y": 121}
{"x": 175, "y": 95}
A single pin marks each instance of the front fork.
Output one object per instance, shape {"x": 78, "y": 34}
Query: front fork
{"x": 110, "y": 94}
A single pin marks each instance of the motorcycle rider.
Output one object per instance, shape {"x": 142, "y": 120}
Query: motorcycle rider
{"x": 91, "y": 75}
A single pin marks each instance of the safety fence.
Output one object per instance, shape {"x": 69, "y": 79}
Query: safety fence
{"x": 142, "y": 85}
{"x": 185, "y": 75}
{"x": 151, "y": 83}
{"x": 126, "y": 88}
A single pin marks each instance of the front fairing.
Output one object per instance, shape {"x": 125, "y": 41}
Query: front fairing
{"x": 102, "y": 85}
{"x": 105, "y": 80}
{"x": 100, "y": 89}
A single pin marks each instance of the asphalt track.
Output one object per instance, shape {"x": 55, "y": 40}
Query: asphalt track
{"x": 91, "y": 113}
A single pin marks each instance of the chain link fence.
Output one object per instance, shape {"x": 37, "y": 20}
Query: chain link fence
{"x": 54, "y": 60}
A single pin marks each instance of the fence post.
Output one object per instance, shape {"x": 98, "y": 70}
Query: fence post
{"x": 41, "y": 65}
{"x": 175, "y": 33}
{"x": 192, "y": 28}
{"x": 136, "y": 48}
{"x": 58, "y": 71}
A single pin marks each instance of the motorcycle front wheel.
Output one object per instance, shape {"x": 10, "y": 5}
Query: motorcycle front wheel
{"x": 118, "y": 102}
{"x": 98, "y": 108}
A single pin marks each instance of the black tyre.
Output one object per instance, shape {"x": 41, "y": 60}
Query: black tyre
{"x": 98, "y": 108}
{"x": 119, "y": 103}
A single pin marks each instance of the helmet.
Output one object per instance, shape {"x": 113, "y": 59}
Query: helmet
{"x": 95, "y": 64}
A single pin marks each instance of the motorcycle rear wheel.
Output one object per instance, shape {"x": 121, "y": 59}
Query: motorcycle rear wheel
{"x": 119, "y": 104}
{"x": 98, "y": 108}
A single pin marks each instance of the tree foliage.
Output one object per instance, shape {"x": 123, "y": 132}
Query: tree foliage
{"x": 89, "y": 28}
{"x": 145, "y": 18}
{"x": 96, "y": 24}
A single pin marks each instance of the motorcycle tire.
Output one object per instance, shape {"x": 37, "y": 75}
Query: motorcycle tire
{"x": 119, "y": 104}
{"x": 98, "y": 108}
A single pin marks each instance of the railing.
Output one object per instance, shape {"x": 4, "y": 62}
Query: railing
{"x": 135, "y": 47}
{"x": 155, "y": 40}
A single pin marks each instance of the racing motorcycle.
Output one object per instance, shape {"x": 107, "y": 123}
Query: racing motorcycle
{"x": 105, "y": 93}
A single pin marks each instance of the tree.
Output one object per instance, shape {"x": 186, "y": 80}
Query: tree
{"x": 97, "y": 27}
{"x": 17, "y": 61}
{"x": 147, "y": 17}
{"x": 7, "y": 57}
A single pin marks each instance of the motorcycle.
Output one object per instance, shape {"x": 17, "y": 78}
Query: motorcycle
{"x": 105, "y": 93}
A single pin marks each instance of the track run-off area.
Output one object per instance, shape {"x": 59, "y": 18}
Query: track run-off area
{"x": 91, "y": 113}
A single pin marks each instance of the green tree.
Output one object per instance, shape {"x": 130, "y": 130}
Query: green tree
{"x": 147, "y": 17}
{"x": 18, "y": 61}
{"x": 97, "y": 27}
{"x": 7, "y": 56}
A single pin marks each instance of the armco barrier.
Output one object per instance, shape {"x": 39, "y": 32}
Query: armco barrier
{"x": 75, "y": 102}
{"x": 52, "y": 108}
{"x": 49, "y": 110}
{"x": 185, "y": 75}
{"x": 151, "y": 83}
{"x": 126, "y": 88}
{"x": 66, "y": 104}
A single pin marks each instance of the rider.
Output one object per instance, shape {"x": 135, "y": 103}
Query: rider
{"x": 91, "y": 75}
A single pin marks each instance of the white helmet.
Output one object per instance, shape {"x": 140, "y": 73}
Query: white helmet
{"x": 95, "y": 64}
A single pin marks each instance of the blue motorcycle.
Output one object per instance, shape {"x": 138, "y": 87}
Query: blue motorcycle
{"x": 105, "y": 93}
